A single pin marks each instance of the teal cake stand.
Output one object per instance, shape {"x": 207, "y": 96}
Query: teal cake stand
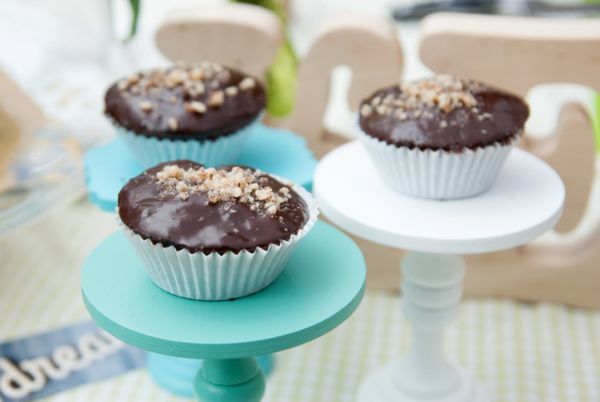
{"x": 110, "y": 166}
{"x": 281, "y": 152}
{"x": 321, "y": 285}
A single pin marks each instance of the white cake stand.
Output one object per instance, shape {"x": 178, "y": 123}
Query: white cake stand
{"x": 525, "y": 202}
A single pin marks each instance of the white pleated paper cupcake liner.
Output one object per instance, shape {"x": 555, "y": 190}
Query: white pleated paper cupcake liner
{"x": 218, "y": 276}
{"x": 223, "y": 150}
{"x": 437, "y": 174}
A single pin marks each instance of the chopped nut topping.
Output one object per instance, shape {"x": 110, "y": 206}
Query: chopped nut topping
{"x": 231, "y": 91}
{"x": 417, "y": 99}
{"x": 173, "y": 124}
{"x": 146, "y": 106}
{"x": 200, "y": 87}
{"x": 216, "y": 99}
{"x": 381, "y": 109}
{"x": 196, "y": 107}
{"x": 263, "y": 194}
{"x": 175, "y": 77}
{"x": 197, "y": 74}
{"x": 128, "y": 82}
{"x": 444, "y": 91}
{"x": 194, "y": 88}
{"x": 195, "y": 80}
{"x": 443, "y": 124}
{"x": 401, "y": 115}
{"x": 388, "y": 100}
{"x": 247, "y": 83}
{"x": 238, "y": 184}
{"x": 366, "y": 110}
{"x": 133, "y": 78}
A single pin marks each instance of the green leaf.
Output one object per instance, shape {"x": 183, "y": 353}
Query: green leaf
{"x": 135, "y": 16}
{"x": 281, "y": 81}
{"x": 596, "y": 119}
{"x": 281, "y": 76}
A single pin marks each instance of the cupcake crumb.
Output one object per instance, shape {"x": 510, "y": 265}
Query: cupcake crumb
{"x": 382, "y": 109}
{"x": 216, "y": 99}
{"x": 196, "y": 107}
{"x": 146, "y": 106}
{"x": 173, "y": 124}
{"x": 247, "y": 83}
{"x": 366, "y": 110}
{"x": 388, "y": 99}
{"x": 231, "y": 91}
{"x": 401, "y": 115}
{"x": 197, "y": 74}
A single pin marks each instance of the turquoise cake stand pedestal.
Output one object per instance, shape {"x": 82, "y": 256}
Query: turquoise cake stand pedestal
{"x": 110, "y": 166}
{"x": 281, "y": 152}
{"x": 321, "y": 285}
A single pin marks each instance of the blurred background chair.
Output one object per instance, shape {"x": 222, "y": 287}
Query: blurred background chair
{"x": 519, "y": 54}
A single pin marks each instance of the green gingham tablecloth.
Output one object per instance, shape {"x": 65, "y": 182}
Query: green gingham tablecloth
{"x": 522, "y": 352}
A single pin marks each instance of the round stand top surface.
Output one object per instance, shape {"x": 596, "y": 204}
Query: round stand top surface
{"x": 281, "y": 152}
{"x": 525, "y": 201}
{"x": 321, "y": 285}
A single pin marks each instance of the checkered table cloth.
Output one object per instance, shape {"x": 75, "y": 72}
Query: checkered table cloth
{"x": 523, "y": 353}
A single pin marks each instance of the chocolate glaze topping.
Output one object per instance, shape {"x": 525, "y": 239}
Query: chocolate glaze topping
{"x": 181, "y": 204}
{"x": 443, "y": 112}
{"x": 203, "y": 101}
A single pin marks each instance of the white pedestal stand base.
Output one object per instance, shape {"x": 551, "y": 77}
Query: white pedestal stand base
{"x": 432, "y": 288}
{"x": 525, "y": 201}
{"x": 379, "y": 387}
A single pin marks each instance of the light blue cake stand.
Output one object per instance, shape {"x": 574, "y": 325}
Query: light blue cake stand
{"x": 110, "y": 166}
{"x": 281, "y": 152}
{"x": 321, "y": 285}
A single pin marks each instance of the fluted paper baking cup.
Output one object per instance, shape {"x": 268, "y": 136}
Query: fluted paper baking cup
{"x": 217, "y": 276}
{"x": 437, "y": 174}
{"x": 223, "y": 150}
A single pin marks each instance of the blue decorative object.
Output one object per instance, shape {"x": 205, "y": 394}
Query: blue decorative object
{"x": 281, "y": 152}
{"x": 320, "y": 287}
{"x": 38, "y": 366}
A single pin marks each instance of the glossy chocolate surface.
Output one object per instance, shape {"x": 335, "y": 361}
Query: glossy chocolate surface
{"x": 197, "y": 225}
{"x": 144, "y": 104}
{"x": 495, "y": 117}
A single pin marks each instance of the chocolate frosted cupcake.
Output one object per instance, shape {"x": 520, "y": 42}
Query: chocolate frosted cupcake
{"x": 202, "y": 113}
{"x": 441, "y": 137}
{"x": 213, "y": 234}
